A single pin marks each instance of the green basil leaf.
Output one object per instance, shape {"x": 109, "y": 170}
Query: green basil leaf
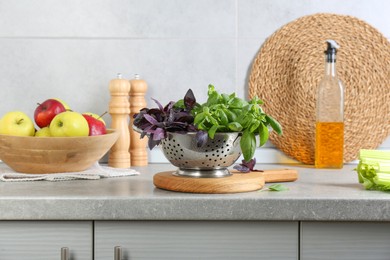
{"x": 202, "y": 126}
{"x": 277, "y": 187}
{"x": 212, "y": 120}
{"x": 230, "y": 115}
{"x": 213, "y": 96}
{"x": 237, "y": 103}
{"x": 256, "y": 100}
{"x": 248, "y": 145}
{"x": 212, "y": 131}
{"x": 254, "y": 125}
{"x": 274, "y": 124}
{"x": 222, "y": 117}
{"x": 235, "y": 126}
{"x": 246, "y": 108}
{"x": 247, "y": 121}
{"x": 179, "y": 104}
{"x": 263, "y": 134}
{"x": 225, "y": 98}
{"x": 211, "y": 89}
{"x": 199, "y": 118}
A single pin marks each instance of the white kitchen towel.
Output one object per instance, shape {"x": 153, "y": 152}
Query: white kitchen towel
{"x": 96, "y": 172}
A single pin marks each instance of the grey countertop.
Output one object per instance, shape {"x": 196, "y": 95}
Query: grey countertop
{"x": 318, "y": 195}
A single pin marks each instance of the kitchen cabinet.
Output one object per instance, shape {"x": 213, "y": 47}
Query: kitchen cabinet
{"x": 43, "y": 240}
{"x": 345, "y": 240}
{"x": 85, "y": 240}
{"x": 197, "y": 239}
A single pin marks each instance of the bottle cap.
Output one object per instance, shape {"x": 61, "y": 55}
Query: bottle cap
{"x": 331, "y": 50}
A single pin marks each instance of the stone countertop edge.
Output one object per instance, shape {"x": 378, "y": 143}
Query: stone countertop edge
{"x": 318, "y": 195}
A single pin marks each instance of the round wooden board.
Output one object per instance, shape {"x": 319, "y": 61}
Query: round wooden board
{"x": 233, "y": 184}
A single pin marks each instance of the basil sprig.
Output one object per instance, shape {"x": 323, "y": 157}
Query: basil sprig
{"x": 228, "y": 113}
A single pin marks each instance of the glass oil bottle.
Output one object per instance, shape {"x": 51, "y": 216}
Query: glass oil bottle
{"x": 329, "y": 136}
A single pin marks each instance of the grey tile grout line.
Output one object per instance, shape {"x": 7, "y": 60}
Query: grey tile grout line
{"x": 237, "y": 47}
{"x": 112, "y": 38}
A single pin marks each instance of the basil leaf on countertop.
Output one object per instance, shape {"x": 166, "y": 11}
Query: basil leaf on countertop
{"x": 277, "y": 187}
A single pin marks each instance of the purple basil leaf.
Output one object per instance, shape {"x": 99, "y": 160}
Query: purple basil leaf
{"x": 251, "y": 164}
{"x": 179, "y": 124}
{"x": 143, "y": 124}
{"x": 158, "y": 134}
{"x": 151, "y": 143}
{"x": 247, "y": 166}
{"x": 150, "y": 129}
{"x": 157, "y": 113}
{"x": 189, "y": 100}
{"x": 139, "y": 117}
{"x": 158, "y": 104}
{"x": 171, "y": 116}
{"x": 191, "y": 128}
{"x": 141, "y": 112}
{"x": 184, "y": 117}
{"x": 241, "y": 168}
{"x": 201, "y": 138}
{"x": 169, "y": 107}
{"x": 151, "y": 119}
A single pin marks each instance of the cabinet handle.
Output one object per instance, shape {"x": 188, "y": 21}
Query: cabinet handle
{"x": 64, "y": 253}
{"x": 117, "y": 253}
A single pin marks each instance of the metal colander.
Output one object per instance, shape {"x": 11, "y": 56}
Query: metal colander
{"x": 210, "y": 160}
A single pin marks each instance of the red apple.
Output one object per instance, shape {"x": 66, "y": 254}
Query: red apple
{"x": 96, "y": 127}
{"x": 100, "y": 117}
{"x": 46, "y": 111}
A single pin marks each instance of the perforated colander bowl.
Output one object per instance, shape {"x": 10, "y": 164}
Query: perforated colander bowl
{"x": 211, "y": 160}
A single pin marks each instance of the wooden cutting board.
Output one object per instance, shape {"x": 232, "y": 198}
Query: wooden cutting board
{"x": 238, "y": 182}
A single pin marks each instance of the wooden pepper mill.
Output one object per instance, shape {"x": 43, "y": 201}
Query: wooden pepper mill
{"x": 138, "y": 151}
{"x": 119, "y": 109}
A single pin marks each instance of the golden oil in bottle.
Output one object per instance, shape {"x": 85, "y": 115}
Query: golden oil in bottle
{"x": 329, "y": 144}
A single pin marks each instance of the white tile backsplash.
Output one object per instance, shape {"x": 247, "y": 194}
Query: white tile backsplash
{"x": 261, "y": 18}
{"x": 79, "y": 71}
{"x": 72, "y": 49}
{"x": 118, "y": 18}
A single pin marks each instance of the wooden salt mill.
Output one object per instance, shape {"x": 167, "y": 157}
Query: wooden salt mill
{"x": 138, "y": 151}
{"x": 119, "y": 109}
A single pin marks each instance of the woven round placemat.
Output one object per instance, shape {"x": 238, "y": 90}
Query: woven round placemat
{"x": 290, "y": 64}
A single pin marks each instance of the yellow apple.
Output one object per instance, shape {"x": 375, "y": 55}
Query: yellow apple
{"x": 16, "y": 123}
{"x": 43, "y": 132}
{"x": 96, "y": 116}
{"x": 69, "y": 123}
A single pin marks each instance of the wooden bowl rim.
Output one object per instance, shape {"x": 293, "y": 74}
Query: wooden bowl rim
{"x": 110, "y": 131}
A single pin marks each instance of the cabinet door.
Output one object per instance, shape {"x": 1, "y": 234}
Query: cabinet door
{"x": 43, "y": 240}
{"x": 196, "y": 240}
{"x": 345, "y": 241}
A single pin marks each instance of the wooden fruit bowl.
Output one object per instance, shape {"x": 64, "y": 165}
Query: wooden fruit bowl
{"x": 54, "y": 154}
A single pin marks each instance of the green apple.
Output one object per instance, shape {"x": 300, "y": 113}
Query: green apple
{"x": 69, "y": 123}
{"x": 43, "y": 132}
{"x": 67, "y": 107}
{"x": 96, "y": 116}
{"x": 16, "y": 123}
